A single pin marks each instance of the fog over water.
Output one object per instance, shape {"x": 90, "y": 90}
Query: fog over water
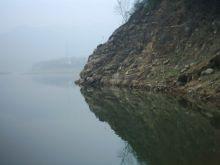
{"x": 33, "y": 31}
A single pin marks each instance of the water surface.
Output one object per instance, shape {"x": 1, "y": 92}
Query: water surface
{"x": 47, "y": 120}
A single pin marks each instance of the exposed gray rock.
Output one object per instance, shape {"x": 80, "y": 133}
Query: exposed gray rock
{"x": 166, "y": 62}
{"x": 183, "y": 70}
{"x": 187, "y": 67}
{"x": 90, "y": 79}
{"x": 207, "y": 71}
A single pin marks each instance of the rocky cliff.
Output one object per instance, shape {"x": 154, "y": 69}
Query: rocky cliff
{"x": 173, "y": 46}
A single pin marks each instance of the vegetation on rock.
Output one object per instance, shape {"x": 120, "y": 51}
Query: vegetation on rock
{"x": 166, "y": 45}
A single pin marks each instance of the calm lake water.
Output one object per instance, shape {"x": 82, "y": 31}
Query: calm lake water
{"x": 47, "y": 120}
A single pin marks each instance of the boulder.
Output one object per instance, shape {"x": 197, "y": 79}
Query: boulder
{"x": 207, "y": 71}
{"x": 166, "y": 62}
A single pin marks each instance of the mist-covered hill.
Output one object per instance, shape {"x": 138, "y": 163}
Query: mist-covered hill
{"x": 24, "y": 46}
{"x": 62, "y": 65}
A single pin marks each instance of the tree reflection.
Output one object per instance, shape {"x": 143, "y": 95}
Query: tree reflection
{"x": 159, "y": 129}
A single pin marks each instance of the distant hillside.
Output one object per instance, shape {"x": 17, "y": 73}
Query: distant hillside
{"x": 62, "y": 65}
{"x": 22, "y": 47}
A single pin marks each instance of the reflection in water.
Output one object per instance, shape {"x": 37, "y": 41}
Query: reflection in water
{"x": 160, "y": 130}
{"x": 59, "y": 80}
{"x": 50, "y": 124}
{"x": 44, "y": 120}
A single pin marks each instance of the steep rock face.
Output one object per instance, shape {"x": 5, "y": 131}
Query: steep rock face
{"x": 166, "y": 47}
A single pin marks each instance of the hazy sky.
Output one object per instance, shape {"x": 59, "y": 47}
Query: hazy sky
{"x": 36, "y": 30}
{"x": 56, "y": 13}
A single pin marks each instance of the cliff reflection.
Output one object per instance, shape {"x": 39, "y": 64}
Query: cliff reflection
{"x": 161, "y": 130}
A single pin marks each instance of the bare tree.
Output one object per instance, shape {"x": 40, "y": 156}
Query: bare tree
{"x": 123, "y": 9}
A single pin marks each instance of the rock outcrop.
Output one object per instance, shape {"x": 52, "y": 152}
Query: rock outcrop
{"x": 169, "y": 47}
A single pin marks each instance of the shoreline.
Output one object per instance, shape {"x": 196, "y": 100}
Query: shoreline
{"x": 171, "y": 89}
